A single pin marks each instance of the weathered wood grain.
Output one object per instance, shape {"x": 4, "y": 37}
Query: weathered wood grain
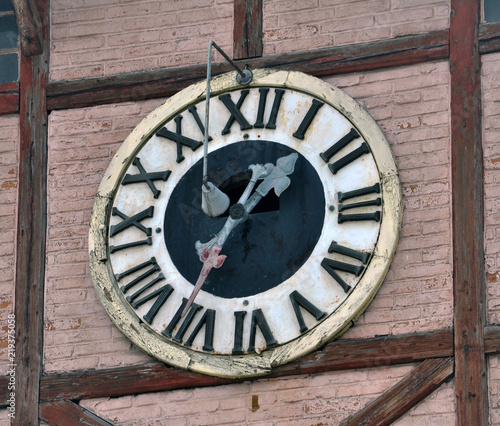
{"x": 336, "y": 60}
{"x": 32, "y": 220}
{"x": 9, "y": 98}
{"x": 489, "y": 37}
{"x": 29, "y": 24}
{"x": 337, "y": 355}
{"x": 395, "y": 402}
{"x": 64, "y": 412}
{"x": 467, "y": 211}
{"x": 247, "y": 29}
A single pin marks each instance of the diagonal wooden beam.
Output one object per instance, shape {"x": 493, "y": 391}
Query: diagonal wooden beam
{"x": 467, "y": 213}
{"x": 29, "y": 25}
{"x": 415, "y": 387}
{"x": 64, "y": 412}
{"x": 247, "y": 29}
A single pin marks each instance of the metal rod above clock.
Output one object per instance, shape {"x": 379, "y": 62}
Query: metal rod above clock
{"x": 214, "y": 201}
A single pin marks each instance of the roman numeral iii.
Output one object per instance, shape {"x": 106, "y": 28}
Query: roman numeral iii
{"x": 352, "y": 217}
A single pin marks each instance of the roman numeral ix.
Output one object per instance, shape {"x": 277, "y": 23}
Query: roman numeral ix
{"x": 127, "y": 222}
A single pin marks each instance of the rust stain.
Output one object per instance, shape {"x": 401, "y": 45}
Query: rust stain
{"x": 77, "y": 325}
{"x": 306, "y": 409}
{"x": 492, "y": 277}
{"x": 5, "y": 303}
{"x": 12, "y": 172}
{"x": 255, "y": 403}
{"x": 9, "y": 184}
{"x": 4, "y": 342}
{"x": 495, "y": 160}
{"x": 49, "y": 325}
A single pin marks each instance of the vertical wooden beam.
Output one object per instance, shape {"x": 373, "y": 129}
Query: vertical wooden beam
{"x": 468, "y": 220}
{"x": 32, "y": 219}
{"x": 247, "y": 33}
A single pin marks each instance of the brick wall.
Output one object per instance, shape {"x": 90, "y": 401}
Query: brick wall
{"x": 494, "y": 389}
{"x": 410, "y": 103}
{"x": 97, "y": 38}
{"x": 311, "y": 24}
{"x": 491, "y": 150}
{"x": 321, "y": 399}
{"x": 94, "y": 38}
{"x": 490, "y": 87}
{"x": 81, "y": 143}
{"x": 9, "y": 147}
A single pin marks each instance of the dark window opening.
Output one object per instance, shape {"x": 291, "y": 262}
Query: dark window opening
{"x": 9, "y": 43}
{"x": 491, "y": 10}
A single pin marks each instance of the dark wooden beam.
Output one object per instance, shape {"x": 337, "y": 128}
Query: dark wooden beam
{"x": 247, "y": 29}
{"x": 492, "y": 339}
{"x": 321, "y": 62}
{"x": 489, "y": 37}
{"x": 32, "y": 219}
{"x": 63, "y": 413}
{"x": 467, "y": 208}
{"x": 337, "y": 355}
{"x": 415, "y": 387}
{"x": 29, "y": 24}
{"x": 9, "y": 98}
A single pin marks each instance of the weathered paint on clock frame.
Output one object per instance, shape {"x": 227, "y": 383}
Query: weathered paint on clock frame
{"x": 336, "y": 323}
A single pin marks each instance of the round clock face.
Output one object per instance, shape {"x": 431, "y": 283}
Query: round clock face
{"x": 318, "y": 221}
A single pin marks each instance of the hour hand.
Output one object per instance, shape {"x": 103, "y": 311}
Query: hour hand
{"x": 277, "y": 179}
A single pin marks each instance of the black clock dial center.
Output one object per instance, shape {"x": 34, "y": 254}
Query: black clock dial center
{"x": 272, "y": 244}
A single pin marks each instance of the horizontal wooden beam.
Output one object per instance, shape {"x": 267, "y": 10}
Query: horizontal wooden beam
{"x": 68, "y": 413}
{"x": 395, "y": 402}
{"x": 148, "y": 85}
{"x": 338, "y": 355}
{"x": 9, "y": 98}
{"x": 321, "y": 62}
{"x": 489, "y": 37}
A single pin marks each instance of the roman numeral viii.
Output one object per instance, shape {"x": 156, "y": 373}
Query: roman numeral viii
{"x": 348, "y": 158}
{"x": 332, "y": 266}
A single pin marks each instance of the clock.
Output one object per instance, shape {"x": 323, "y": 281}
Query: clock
{"x": 313, "y": 224}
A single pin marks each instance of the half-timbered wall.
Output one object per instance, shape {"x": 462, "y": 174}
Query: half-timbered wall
{"x": 407, "y": 358}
